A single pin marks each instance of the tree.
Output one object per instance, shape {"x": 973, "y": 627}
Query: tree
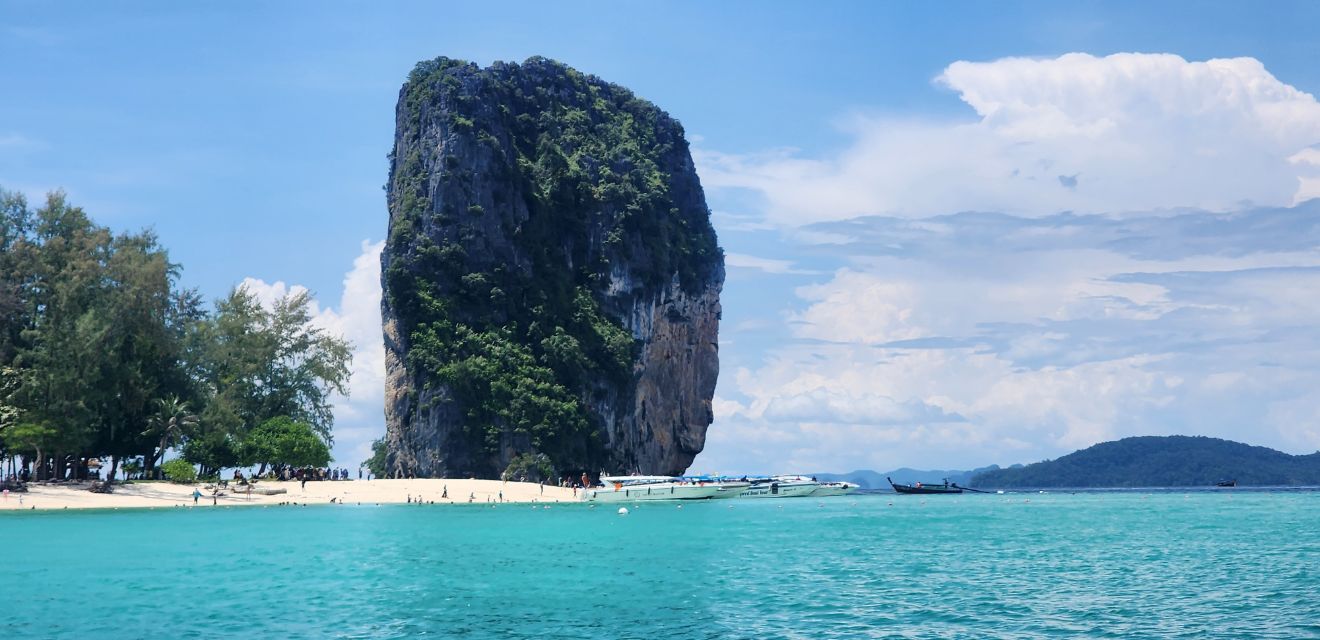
{"x": 9, "y": 414}
{"x": 16, "y": 222}
{"x": 142, "y": 354}
{"x": 282, "y": 441}
{"x": 527, "y": 467}
{"x": 63, "y": 342}
{"x": 8, "y": 384}
{"x": 180, "y": 471}
{"x": 30, "y": 436}
{"x": 92, "y": 321}
{"x": 378, "y": 462}
{"x": 262, "y": 364}
{"x": 102, "y": 354}
{"x": 213, "y": 451}
{"x": 132, "y": 468}
{"x": 172, "y": 420}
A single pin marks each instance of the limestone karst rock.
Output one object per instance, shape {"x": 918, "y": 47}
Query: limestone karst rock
{"x": 551, "y": 278}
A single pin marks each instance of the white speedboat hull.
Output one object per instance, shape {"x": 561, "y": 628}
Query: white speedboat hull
{"x": 730, "y": 490}
{"x": 780, "y": 490}
{"x": 834, "y": 489}
{"x": 639, "y": 493}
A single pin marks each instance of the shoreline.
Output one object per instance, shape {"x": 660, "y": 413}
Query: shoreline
{"x": 149, "y": 494}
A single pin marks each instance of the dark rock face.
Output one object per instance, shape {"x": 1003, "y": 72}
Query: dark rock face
{"x": 551, "y": 279}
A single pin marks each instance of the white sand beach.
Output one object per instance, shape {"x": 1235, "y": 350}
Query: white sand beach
{"x": 165, "y": 494}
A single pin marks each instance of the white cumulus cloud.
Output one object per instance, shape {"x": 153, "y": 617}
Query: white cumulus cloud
{"x": 1120, "y": 133}
{"x": 999, "y": 339}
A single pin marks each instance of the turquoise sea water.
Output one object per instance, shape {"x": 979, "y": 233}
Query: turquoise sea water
{"x": 1230, "y": 564}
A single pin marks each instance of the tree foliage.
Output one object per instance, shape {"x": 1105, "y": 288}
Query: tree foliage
{"x": 8, "y": 384}
{"x": 282, "y": 441}
{"x": 378, "y": 463}
{"x": 180, "y": 471}
{"x": 528, "y": 467}
{"x": 264, "y": 363}
{"x": 30, "y": 436}
{"x": 172, "y": 420}
{"x": 89, "y": 328}
{"x": 103, "y": 354}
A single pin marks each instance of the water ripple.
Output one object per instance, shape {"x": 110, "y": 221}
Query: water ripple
{"x": 1088, "y": 565}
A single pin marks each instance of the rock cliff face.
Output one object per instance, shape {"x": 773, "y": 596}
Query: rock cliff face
{"x": 551, "y": 279}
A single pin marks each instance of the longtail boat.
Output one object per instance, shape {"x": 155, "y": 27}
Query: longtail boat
{"x": 926, "y": 488}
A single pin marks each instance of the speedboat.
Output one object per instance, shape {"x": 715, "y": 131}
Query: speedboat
{"x": 731, "y": 489}
{"x": 781, "y": 487}
{"x": 835, "y": 489}
{"x": 728, "y": 487}
{"x": 638, "y": 488}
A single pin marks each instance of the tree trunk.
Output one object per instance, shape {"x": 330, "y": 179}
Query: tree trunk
{"x": 41, "y": 465}
{"x": 164, "y": 442}
{"x": 114, "y": 468}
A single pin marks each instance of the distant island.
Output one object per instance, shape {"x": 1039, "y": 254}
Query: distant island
{"x": 1161, "y": 461}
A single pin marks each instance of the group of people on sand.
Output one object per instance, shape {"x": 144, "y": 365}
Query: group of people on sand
{"x": 444, "y": 495}
{"x": 314, "y": 473}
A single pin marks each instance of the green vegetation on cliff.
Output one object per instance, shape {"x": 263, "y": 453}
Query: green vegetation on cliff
{"x": 1152, "y": 461}
{"x": 542, "y": 185}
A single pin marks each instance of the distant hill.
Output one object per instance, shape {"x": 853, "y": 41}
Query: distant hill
{"x": 868, "y": 479}
{"x": 1161, "y": 461}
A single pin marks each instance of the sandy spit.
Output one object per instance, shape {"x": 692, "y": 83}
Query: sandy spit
{"x": 164, "y": 494}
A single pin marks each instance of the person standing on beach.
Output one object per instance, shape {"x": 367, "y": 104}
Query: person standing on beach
{"x": 196, "y": 494}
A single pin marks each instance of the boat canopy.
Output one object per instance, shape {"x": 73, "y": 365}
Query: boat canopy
{"x": 628, "y": 480}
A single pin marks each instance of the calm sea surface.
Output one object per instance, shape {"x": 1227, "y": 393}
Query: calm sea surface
{"x": 1230, "y": 564}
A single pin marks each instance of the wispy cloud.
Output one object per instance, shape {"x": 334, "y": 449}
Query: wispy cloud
{"x": 18, "y": 141}
{"x": 38, "y": 36}
{"x": 768, "y": 265}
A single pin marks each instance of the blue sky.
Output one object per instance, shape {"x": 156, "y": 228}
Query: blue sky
{"x": 959, "y": 233}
